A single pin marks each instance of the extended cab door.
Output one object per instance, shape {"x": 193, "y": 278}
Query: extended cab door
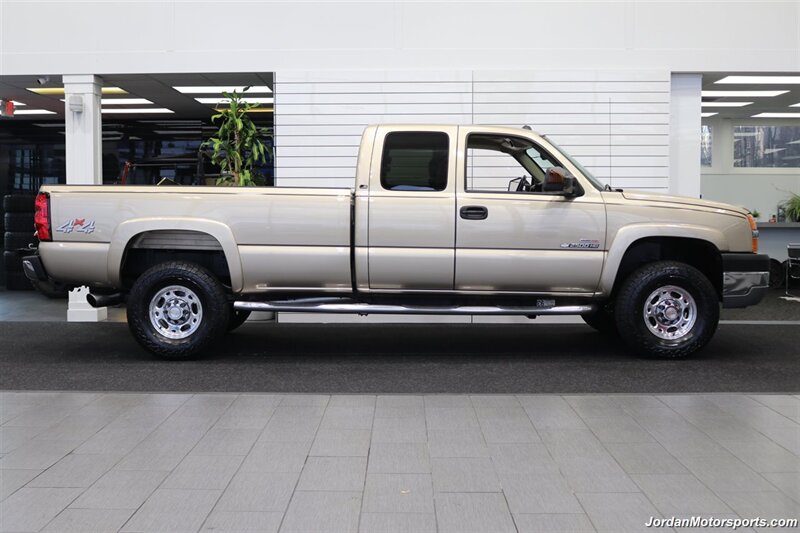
{"x": 525, "y": 240}
{"x": 411, "y": 225}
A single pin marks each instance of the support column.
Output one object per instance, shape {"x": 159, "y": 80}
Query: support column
{"x": 684, "y": 134}
{"x": 84, "y": 129}
{"x": 84, "y": 158}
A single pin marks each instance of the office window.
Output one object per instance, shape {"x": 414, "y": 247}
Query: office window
{"x": 705, "y": 145}
{"x": 766, "y": 146}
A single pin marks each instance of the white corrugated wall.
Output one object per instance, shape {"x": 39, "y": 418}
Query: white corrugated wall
{"x": 614, "y": 122}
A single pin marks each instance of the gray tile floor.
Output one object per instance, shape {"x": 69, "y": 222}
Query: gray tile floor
{"x": 88, "y": 462}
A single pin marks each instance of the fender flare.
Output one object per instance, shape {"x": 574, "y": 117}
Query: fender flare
{"x": 130, "y": 228}
{"x": 628, "y": 235}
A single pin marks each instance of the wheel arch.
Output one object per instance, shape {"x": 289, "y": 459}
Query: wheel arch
{"x": 701, "y": 250}
{"x": 205, "y": 232}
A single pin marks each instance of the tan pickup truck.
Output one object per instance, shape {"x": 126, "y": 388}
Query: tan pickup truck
{"x": 443, "y": 220}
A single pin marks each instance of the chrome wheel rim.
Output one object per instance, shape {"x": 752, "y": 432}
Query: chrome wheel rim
{"x": 670, "y": 312}
{"x": 176, "y": 312}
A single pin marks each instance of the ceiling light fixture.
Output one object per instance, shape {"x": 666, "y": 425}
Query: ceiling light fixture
{"x": 34, "y": 112}
{"x": 706, "y": 115}
{"x": 136, "y": 111}
{"x": 725, "y": 104}
{"x": 214, "y": 89}
{"x": 792, "y": 80}
{"x": 247, "y": 100}
{"x": 58, "y": 91}
{"x": 741, "y": 94}
{"x": 777, "y": 115}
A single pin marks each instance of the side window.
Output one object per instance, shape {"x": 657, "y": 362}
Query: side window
{"x": 497, "y": 163}
{"x": 415, "y": 161}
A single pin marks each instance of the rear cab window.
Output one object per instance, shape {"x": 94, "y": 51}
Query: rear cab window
{"x": 415, "y": 161}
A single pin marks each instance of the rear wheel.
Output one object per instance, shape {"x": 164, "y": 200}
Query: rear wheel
{"x": 176, "y": 309}
{"x": 667, "y": 309}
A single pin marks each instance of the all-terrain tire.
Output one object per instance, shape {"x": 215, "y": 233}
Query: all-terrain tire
{"x": 603, "y": 320}
{"x": 18, "y": 203}
{"x": 19, "y": 222}
{"x": 679, "y": 289}
{"x": 17, "y": 239}
{"x": 237, "y": 318}
{"x": 200, "y": 290}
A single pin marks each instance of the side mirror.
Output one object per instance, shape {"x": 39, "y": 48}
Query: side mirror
{"x": 557, "y": 180}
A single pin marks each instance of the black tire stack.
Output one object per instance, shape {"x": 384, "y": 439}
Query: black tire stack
{"x": 18, "y": 233}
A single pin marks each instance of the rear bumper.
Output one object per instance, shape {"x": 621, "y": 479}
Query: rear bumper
{"x": 33, "y": 268}
{"x": 745, "y": 279}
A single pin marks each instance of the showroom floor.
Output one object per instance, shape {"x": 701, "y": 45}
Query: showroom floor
{"x": 448, "y": 463}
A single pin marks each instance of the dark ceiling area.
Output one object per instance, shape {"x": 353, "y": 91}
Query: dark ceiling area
{"x": 157, "y": 88}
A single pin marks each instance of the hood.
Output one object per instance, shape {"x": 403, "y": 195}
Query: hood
{"x": 687, "y": 201}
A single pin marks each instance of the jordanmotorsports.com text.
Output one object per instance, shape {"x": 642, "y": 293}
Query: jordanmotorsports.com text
{"x": 710, "y": 521}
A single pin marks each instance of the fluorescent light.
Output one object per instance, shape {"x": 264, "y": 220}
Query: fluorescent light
{"x": 178, "y": 132}
{"x": 725, "y": 104}
{"x": 777, "y": 115}
{"x": 792, "y": 80}
{"x": 213, "y": 89}
{"x": 794, "y": 142}
{"x": 136, "y": 111}
{"x": 125, "y": 101}
{"x": 34, "y": 112}
{"x": 17, "y": 104}
{"x": 773, "y": 150}
{"x": 745, "y": 133}
{"x": 60, "y": 90}
{"x": 795, "y": 105}
{"x": 248, "y": 100}
{"x": 741, "y": 94}
{"x": 706, "y": 115}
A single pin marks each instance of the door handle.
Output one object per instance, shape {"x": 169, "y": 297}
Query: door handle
{"x": 474, "y": 212}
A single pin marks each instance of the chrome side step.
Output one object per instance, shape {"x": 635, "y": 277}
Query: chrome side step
{"x": 323, "y": 306}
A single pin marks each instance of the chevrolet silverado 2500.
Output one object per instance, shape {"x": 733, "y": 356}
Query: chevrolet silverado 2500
{"x": 443, "y": 220}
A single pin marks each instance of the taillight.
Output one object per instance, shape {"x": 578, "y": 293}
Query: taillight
{"x": 41, "y": 217}
{"x": 753, "y": 231}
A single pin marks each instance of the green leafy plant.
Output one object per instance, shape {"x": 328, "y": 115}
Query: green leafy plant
{"x": 238, "y": 147}
{"x": 756, "y": 214}
{"x": 792, "y": 206}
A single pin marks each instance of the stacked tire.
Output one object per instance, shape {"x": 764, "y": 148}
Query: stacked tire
{"x": 18, "y": 233}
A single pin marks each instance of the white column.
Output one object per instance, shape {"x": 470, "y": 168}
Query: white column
{"x": 83, "y": 128}
{"x": 84, "y": 154}
{"x": 684, "y": 134}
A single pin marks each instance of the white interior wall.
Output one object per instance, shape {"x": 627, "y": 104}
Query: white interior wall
{"x": 615, "y": 122}
{"x": 154, "y": 36}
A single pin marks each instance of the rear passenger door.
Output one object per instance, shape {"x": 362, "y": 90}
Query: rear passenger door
{"x": 411, "y": 230}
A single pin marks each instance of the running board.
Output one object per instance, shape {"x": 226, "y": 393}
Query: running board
{"x": 366, "y": 309}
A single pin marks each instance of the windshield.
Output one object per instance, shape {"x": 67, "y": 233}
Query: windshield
{"x": 597, "y": 185}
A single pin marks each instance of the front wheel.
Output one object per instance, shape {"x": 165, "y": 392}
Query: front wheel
{"x": 176, "y": 309}
{"x": 667, "y": 309}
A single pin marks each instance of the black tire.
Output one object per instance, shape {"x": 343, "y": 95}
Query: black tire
{"x": 603, "y": 320}
{"x": 12, "y": 262}
{"x": 637, "y": 330}
{"x": 16, "y": 240}
{"x": 18, "y": 203}
{"x": 777, "y": 274}
{"x": 16, "y": 281}
{"x": 237, "y": 318}
{"x": 210, "y": 297}
{"x": 19, "y": 222}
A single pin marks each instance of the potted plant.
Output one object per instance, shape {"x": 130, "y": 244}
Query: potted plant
{"x": 756, "y": 214}
{"x": 237, "y": 148}
{"x": 792, "y": 208}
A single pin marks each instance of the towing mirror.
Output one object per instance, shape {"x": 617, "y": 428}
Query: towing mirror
{"x": 558, "y": 180}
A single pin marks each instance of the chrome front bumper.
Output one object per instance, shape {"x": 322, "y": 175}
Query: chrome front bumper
{"x": 745, "y": 279}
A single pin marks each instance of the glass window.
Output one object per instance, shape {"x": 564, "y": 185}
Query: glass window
{"x": 705, "y": 145}
{"x": 415, "y": 161}
{"x": 509, "y": 164}
{"x": 766, "y": 146}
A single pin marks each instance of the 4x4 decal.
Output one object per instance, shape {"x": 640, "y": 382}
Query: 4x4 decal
{"x": 78, "y": 225}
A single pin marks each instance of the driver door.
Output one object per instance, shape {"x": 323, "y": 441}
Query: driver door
{"x": 527, "y": 241}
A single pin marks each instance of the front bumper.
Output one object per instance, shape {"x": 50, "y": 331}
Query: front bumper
{"x": 745, "y": 279}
